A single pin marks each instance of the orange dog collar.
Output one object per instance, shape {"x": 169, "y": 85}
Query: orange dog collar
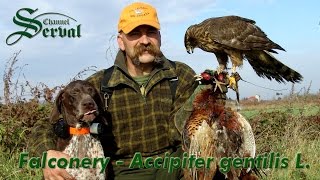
{"x": 79, "y": 131}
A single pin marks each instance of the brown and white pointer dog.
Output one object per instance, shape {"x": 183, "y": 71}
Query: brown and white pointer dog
{"x": 79, "y": 103}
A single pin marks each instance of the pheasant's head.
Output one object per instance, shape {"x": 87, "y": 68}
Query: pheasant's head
{"x": 206, "y": 77}
{"x": 218, "y": 82}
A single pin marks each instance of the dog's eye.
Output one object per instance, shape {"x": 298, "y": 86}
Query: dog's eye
{"x": 90, "y": 90}
{"x": 72, "y": 99}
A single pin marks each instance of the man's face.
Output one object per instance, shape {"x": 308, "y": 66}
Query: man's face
{"x": 142, "y": 44}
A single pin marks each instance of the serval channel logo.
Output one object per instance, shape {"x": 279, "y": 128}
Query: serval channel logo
{"x": 49, "y": 24}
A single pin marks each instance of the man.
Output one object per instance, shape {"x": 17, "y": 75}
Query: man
{"x": 142, "y": 106}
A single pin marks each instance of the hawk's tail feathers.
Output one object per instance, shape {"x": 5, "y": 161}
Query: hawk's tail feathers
{"x": 266, "y": 65}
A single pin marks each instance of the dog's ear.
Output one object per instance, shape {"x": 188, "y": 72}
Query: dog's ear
{"x": 99, "y": 100}
{"x": 56, "y": 110}
{"x": 104, "y": 120}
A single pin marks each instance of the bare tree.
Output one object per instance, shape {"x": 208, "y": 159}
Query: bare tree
{"x": 7, "y": 76}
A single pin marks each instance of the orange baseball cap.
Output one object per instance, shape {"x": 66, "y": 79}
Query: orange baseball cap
{"x": 137, "y": 14}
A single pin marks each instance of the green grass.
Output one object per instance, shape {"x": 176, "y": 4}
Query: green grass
{"x": 9, "y": 168}
{"x": 307, "y": 110}
{"x": 288, "y": 128}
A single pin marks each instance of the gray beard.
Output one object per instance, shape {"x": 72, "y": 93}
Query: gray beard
{"x": 157, "y": 60}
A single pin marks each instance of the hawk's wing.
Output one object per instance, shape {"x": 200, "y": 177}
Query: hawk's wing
{"x": 237, "y": 32}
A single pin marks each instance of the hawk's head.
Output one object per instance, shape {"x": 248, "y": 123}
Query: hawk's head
{"x": 190, "y": 42}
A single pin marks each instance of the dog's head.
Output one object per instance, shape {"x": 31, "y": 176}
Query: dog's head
{"x": 78, "y": 102}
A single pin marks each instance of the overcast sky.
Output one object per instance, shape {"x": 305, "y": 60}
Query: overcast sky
{"x": 54, "y": 61}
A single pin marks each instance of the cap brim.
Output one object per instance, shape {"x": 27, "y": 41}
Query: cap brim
{"x": 133, "y": 25}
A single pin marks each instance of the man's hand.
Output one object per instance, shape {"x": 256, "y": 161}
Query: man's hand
{"x": 56, "y": 173}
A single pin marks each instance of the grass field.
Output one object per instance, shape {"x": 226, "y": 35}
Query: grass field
{"x": 289, "y": 127}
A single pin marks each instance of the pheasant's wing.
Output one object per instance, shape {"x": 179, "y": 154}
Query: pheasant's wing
{"x": 248, "y": 146}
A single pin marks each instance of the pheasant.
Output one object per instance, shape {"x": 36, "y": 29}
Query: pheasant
{"x": 213, "y": 130}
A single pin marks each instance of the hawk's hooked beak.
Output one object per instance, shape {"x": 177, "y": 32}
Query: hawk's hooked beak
{"x": 190, "y": 50}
